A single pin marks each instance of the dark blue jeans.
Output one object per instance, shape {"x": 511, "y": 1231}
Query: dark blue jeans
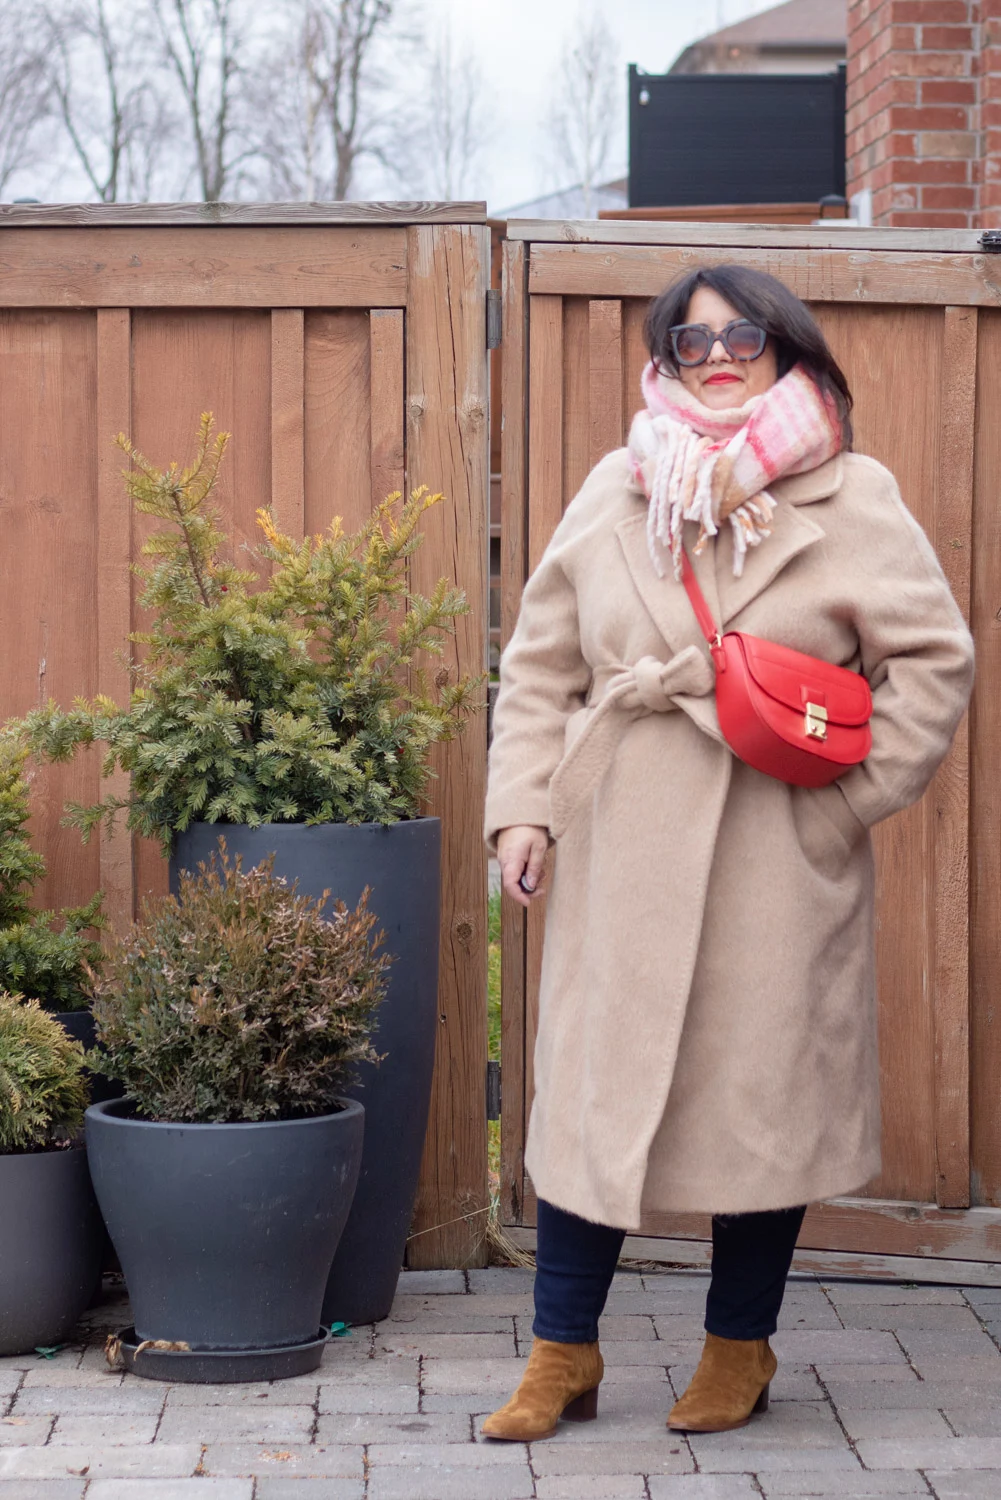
{"x": 575, "y": 1262}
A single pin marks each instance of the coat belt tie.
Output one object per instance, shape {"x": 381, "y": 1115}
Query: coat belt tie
{"x": 648, "y": 686}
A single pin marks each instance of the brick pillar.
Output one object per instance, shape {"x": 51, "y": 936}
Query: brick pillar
{"x": 989, "y": 166}
{"x": 913, "y": 125}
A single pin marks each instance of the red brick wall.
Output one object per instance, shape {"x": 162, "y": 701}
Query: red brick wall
{"x": 924, "y": 110}
{"x": 989, "y": 78}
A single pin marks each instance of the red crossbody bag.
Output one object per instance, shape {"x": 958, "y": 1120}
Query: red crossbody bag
{"x": 787, "y": 714}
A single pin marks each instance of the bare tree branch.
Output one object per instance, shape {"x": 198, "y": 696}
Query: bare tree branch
{"x": 288, "y": 96}
{"x": 25, "y": 101}
{"x": 205, "y": 42}
{"x": 319, "y": 97}
{"x": 103, "y": 93}
{"x": 354, "y": 24}
{"x": 453, "y": 137}
{"x": 584, "y": 116}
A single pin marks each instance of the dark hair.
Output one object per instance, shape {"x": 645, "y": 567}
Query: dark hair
{"x": 764, "y": 300}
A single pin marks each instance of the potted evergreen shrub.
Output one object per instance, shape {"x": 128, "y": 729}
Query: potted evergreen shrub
{"x": 51, "y": 1236}
{"x": 292, "y": 707}
{"x": 234, "y": 1013}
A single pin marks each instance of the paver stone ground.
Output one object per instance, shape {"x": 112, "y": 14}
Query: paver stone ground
{"x": 879, "y": 1385}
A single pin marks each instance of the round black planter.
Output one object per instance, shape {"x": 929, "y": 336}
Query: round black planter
{"x": 51, "y": 1240}
{"x": 402, "y": 865}
{"x": 225, "y": 1233}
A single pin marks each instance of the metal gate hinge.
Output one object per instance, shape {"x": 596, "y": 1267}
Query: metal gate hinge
{"x": 493, "y": 318}
{"x": 990, "y": 241}
{"x": 493, "y": 1090}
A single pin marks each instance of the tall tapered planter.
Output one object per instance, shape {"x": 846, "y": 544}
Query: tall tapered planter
{"x": 401, "y": 864}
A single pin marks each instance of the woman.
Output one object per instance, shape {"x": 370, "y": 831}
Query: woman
{"x": 707, "y": 1029}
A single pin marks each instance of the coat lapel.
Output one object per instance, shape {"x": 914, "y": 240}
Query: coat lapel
{"x": 665, "y": 600}
{"x": 793, "y": 530}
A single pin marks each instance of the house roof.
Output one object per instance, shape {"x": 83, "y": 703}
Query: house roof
{"x": 568, "y": 203}
{"x": 797, "y": 23}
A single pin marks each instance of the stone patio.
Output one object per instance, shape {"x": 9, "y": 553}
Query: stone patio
{"x": 883, "y": 1390}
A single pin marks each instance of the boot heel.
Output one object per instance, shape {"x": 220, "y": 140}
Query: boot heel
{"x": 583, "y": 1408}
{"x": 762, "y": 1402}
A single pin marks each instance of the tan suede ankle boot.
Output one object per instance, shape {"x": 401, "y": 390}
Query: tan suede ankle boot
{"x": 729, "y": 1386}
{"x": 559, "y": 1380}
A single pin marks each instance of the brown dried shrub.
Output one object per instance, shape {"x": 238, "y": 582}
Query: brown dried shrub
{"x": 239, "y": 999}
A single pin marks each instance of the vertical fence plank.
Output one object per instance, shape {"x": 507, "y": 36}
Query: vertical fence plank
{"x": 447, "y": 416}
{"x": 386, "y": 363}
{"x": 950, "y": 796}
{"x": 985, "y": 811}
{"x": 576, "y": 432}
{"x": 545, "y": 424}
{"x": 338, "y": 418}
{"x": 513, "y": 564}
{"x": 114, "y": 584}
{"x": 605, "y": 378}
{"x": 634, "y": 358}
{"x": 387, "y": 456}
{"x": 288, "y": 493}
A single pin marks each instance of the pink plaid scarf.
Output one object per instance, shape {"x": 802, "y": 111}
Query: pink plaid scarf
{"x": 695, "y": 464}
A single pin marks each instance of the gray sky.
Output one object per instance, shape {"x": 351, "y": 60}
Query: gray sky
{"x": 518, "y": 44}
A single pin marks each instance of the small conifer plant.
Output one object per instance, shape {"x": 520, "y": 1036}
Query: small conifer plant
{"x": 296, "y": 698}
{"x": 43, "y": 1090}
{"x": 238, "y": 999}
{"x": 42, "y": 956}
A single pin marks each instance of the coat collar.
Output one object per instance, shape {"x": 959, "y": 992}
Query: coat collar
{"x": 792, "y": 532}
{"x": 816, "y": 484}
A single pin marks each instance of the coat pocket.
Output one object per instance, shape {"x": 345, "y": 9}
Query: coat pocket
{"x": 828, "y": 830}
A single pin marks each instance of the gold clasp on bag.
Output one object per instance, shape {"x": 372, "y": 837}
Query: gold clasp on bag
{"x": 816, "y": 722}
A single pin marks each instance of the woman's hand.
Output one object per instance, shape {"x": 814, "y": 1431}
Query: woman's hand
{"x": 521, "y": 850}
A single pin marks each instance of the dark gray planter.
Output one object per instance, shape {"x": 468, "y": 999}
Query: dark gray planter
{"x": 401, "y": 863}
{"x": 79, "y": 1024}
{"x": 225, "y": 1233}
{"x": 51, "y": 1240}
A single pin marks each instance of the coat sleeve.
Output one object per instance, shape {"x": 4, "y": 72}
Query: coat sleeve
{"x": 916, "y": 652}
{"x": 543, "y": 680}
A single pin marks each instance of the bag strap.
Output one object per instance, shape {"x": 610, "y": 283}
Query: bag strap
{"x": 697, "y": 598}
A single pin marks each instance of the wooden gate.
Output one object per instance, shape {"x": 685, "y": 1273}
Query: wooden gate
{"x": 345, "y": 349}
{"x": 915, "y": 319}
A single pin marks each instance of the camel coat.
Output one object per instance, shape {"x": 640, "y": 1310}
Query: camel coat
{"x": 707, "y": 1027}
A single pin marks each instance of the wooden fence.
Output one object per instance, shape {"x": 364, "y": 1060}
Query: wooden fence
{"x": 345, "y": 349}
{"x": 915, "y": 318}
